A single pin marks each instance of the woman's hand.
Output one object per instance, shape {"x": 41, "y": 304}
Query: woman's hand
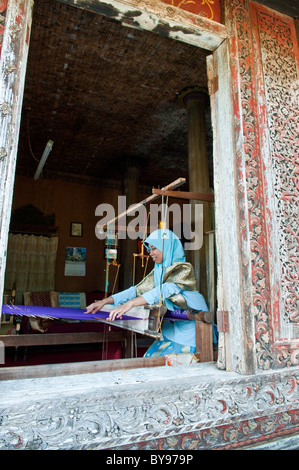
{"x": 118, "y": 312}
{"x": 96, "y": 306}
{"x": 121, "y": 310}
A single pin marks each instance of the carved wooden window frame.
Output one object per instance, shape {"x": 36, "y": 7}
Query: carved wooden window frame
{"x": 255, "y": 171}
{"x": 162, "y": 19}
{"x": 253, "y": 349}
{"x": 276, "y": 58}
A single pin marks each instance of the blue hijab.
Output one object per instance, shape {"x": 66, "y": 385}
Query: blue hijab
{"x": 173, "y": 252}
{"x": 170, "y": 246}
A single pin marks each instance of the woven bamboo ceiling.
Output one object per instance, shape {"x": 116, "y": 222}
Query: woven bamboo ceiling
{"x": 105, "y": 94}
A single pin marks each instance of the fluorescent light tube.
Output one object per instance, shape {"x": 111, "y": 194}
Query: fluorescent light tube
{"x": 43, "y": 160}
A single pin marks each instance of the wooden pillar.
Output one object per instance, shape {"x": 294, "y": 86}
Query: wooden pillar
{"x": 204, "y": 334}
{"x": 195, "y": 100}
{"x": 14, "y": 51}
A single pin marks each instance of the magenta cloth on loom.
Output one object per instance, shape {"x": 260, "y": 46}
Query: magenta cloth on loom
{"x": 64, "y": 313}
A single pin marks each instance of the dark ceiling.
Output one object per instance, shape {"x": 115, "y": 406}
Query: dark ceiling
{"x": 287, "y": 7}
{"x": 105, "y": 94}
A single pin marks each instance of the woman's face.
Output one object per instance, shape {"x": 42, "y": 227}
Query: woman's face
{"x": 155, "y": 254}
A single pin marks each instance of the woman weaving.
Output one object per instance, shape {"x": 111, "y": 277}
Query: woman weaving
{"x": 172, "y": 279}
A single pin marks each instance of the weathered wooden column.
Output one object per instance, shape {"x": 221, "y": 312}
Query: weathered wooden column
{"x": 13, "y": 63}
{"x": 195, "y": 100}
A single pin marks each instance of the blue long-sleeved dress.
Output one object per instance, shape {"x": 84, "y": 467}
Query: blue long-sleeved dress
{"x": 181, "y": 332}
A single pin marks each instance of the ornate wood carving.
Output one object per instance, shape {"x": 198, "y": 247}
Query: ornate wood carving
{"x": 171, "y": 409}
{"x": 278, "y": 56}
{"x": 260, "y": 224}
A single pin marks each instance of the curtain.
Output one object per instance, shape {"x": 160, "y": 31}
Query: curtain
{"x": 30, "y": 264}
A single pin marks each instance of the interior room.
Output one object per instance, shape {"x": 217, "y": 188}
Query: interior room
{"x": 106, "y": 98}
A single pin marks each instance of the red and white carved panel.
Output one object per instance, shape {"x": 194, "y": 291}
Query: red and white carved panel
{"x": 264, "y": 65}
{"x": 276, "y": 58}
{"x": 277, "y": 64}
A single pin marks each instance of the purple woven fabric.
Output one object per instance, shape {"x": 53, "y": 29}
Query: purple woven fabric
{"x": 176, "y": 314}
{"x": 64, "y": 313}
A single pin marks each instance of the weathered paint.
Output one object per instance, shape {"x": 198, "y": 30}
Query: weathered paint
{"x": 191, "y": 407}
{"x": 12, "y": 77}
{"x": 250, "y": 193}
{"x": 159, "y": 18}
{"x": 252, "y": 293}
{"x": 256, "y": 184}
{"x": 197, "y": 407}
{"x": 3, "y": 7}
{"x": 279, "y": 146}
{"x": 236, "y": 348}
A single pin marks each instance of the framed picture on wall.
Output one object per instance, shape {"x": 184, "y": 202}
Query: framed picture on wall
{"x": 76, "y": 229}
{"x": 75, "y": 261}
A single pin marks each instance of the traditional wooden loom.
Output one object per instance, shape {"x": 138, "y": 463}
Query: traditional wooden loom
{"x": 144, "y": 258}
{"x": 204, "y": 320}
{"x": 145, "y": 320}
{"x": 142, "y": 320}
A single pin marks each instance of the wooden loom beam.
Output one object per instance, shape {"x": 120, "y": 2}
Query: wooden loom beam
{"x": 175, "y": 184}
{"x": 89, "y": 367}
{"x": 209, "y": 197}
{"x": 51, "y": 339}
{"x": 203, "y": 320}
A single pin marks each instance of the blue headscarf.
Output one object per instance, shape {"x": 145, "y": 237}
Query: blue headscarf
{"x": 173, "y": 252}
{"x": 170, "y": 246}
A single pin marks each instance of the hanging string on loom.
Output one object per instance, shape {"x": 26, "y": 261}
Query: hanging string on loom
{"x": 142, "y": 244}
{"x": 107, "y": 262}
{"x": 141, "y": 253}
{"x": 106, "y": 328}
{"x": 163, "y": 225}
{"x": 110, "y": 237}
{"x": 144, "y": 235}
